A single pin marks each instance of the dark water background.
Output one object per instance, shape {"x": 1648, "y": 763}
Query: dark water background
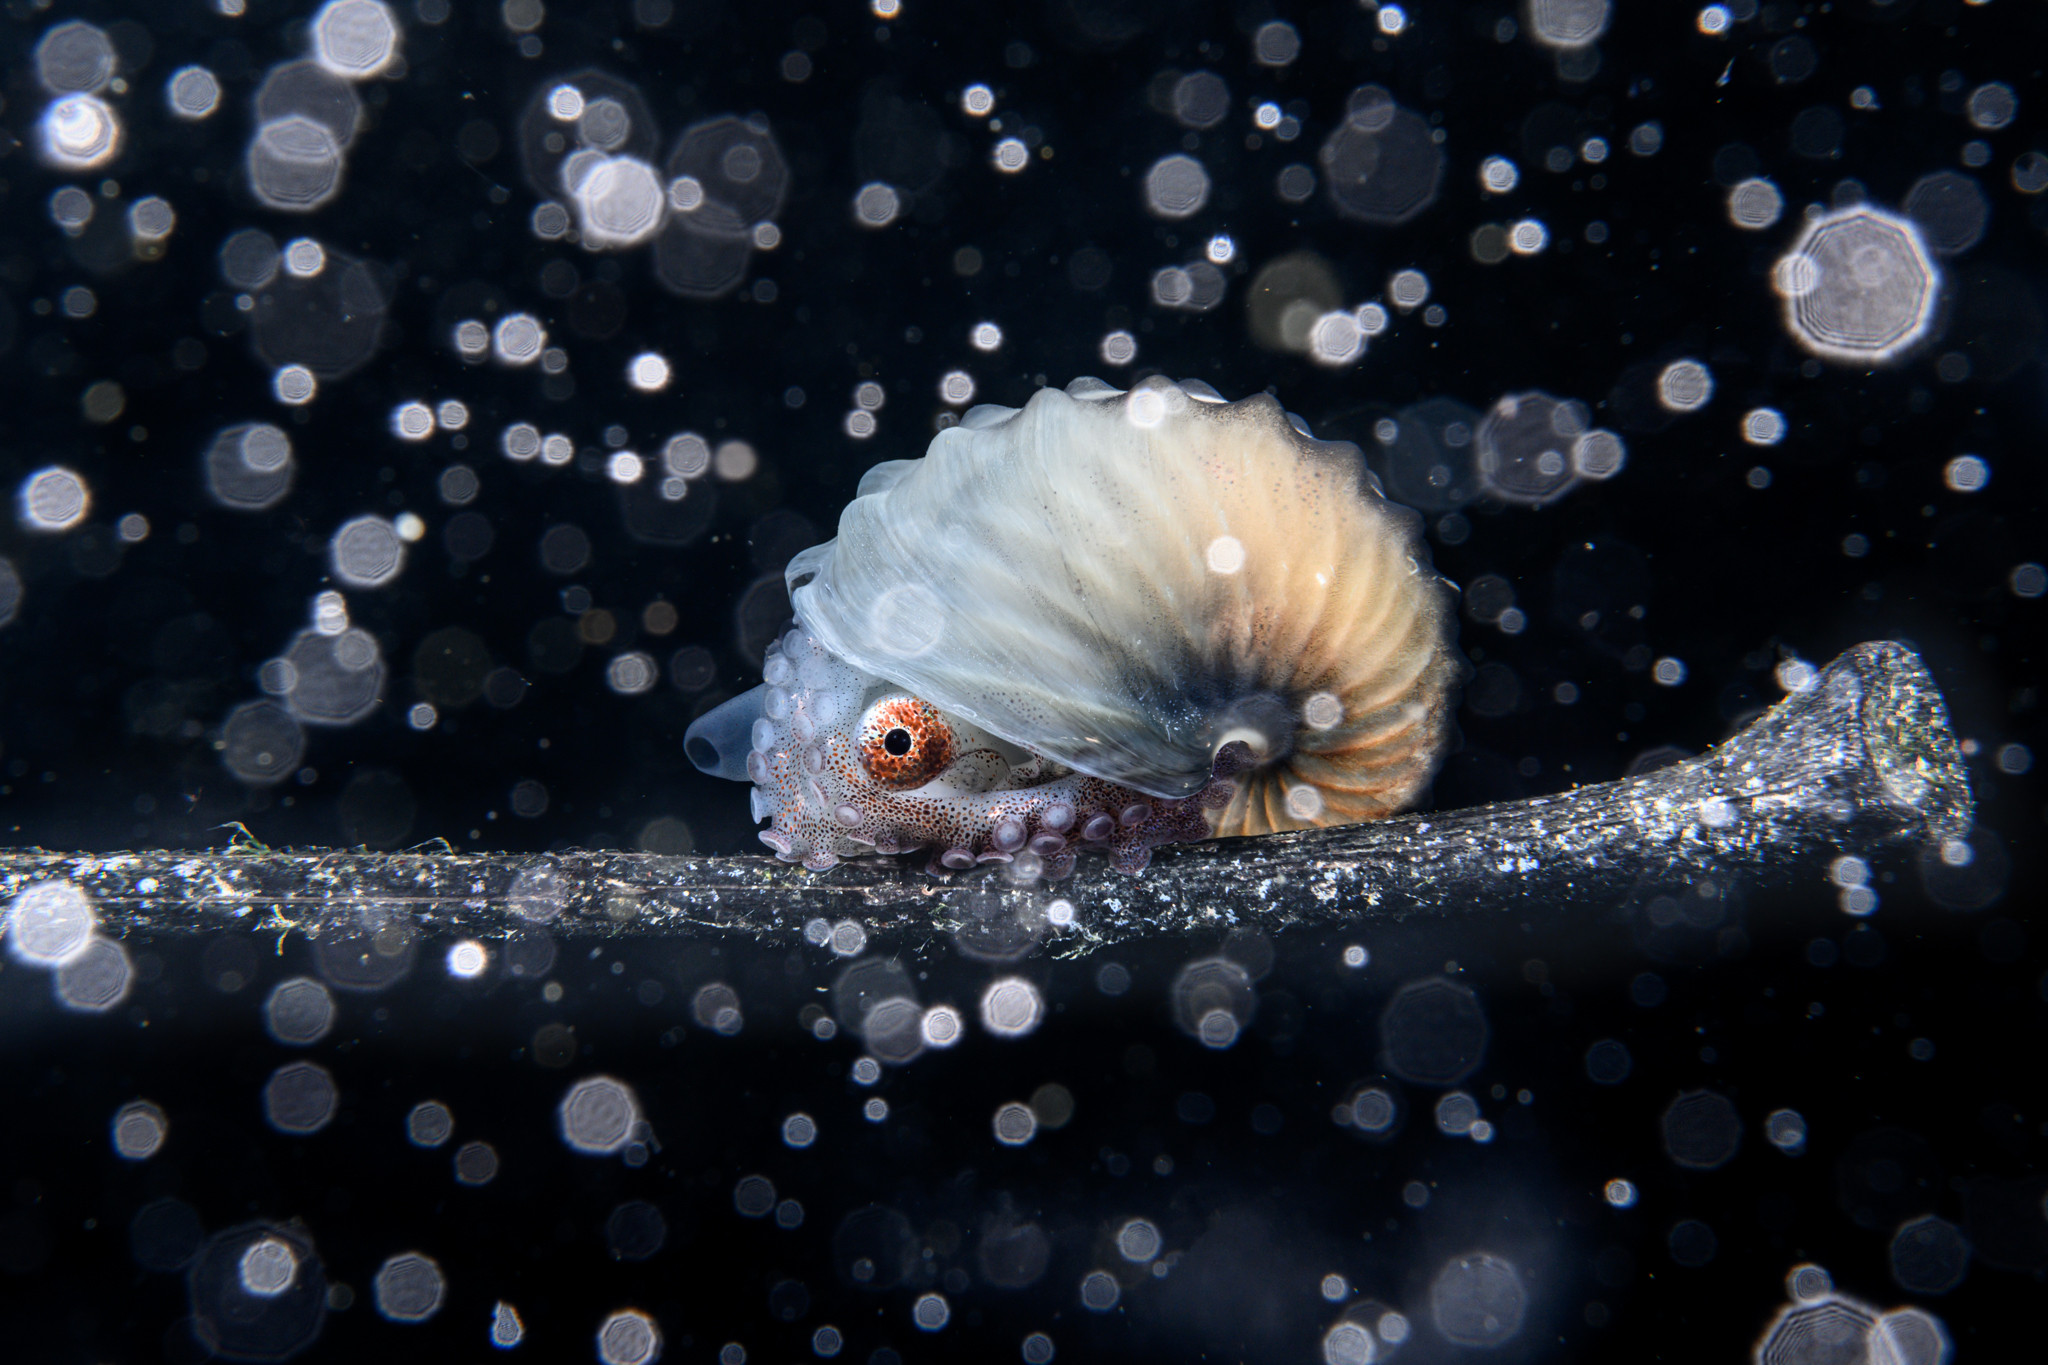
{"x": 1908, "y": 1041}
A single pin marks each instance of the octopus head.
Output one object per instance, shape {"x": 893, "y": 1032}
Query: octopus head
{"x": 844, "y": 763}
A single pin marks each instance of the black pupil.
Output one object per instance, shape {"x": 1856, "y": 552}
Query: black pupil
{"x": 897, "y": 742}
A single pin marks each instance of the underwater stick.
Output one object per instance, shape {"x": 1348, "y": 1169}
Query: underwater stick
{"x": 1861, "y": 761}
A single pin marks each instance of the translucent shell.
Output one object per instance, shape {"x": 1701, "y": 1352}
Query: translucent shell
{"x": 1125, "y": 583}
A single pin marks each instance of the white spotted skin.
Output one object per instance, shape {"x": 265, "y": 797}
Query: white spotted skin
{"x": 993, "y": 803}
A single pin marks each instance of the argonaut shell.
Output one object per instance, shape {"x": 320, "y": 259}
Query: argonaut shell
{"x": 1087, "y": 602}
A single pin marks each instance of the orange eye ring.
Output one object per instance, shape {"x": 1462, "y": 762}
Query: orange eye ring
{"x": 904, "y": 742}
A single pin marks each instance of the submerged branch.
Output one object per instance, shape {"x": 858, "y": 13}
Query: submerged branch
{"x": 1862, "y": 760}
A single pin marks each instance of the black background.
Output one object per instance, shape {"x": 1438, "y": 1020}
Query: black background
{"x": 1729, "y": 577}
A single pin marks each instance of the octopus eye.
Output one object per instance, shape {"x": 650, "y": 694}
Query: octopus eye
{"x": 904, "y": 742}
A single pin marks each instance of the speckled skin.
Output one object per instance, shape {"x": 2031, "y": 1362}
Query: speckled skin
{"x": 988, "y": 804}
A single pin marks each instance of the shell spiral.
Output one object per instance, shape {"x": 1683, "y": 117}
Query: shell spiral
{"x": 1125, "y": 583}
